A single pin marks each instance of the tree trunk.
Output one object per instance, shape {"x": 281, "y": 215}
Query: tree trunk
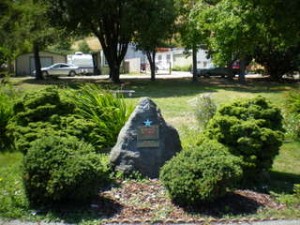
{"x": 194, "y": 52}
{"x": 37, "y": 61}
{"x": 242, "y": 70}
{"x": 114, "y": 54}
{"x": 114, "y": 72}
{"x": 151, "y": 59}
{"x": 114, "y": 44}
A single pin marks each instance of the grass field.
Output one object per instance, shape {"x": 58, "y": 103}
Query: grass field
{"x": 176, "y": 99}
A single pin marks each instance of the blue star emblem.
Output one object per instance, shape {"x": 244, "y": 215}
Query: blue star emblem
{"x": 148, "y": 123}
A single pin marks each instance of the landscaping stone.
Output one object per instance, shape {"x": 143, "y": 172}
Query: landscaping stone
{"x": 145, "y": 142}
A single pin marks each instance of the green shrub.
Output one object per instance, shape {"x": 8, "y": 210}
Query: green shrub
{"x": 45, "y": 113}
{"x": 60, "y": 169}
{"x": 107, "y": 111}
{"x": 201, "y": 174}
{"x": 293, "y": 102}
{"x": 7, "y": 97}
{"x": 252, "y": 129}
{"x": 292, "y": 114}
{"x": 205, "y": 109}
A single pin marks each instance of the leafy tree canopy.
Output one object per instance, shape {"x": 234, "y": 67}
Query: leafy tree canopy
{"x": 154, "y": 26}
{"x": 266, "y": 30}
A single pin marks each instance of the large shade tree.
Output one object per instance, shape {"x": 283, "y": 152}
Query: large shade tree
{"x": 192, "y": 34}
{"x": 154, "y": 27}
{"x": 9, "y": 44}
{"x": 110, "y": 21}
{"x": 24, "y": 27}
{"x": 265, "y": 30}
{"x": 279, "y": 49}
{"x": 38, "y": 30}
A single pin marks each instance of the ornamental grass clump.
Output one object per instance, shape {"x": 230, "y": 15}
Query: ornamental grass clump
{"x": 100, "y": 106}
{"x": 201, "y": 174}
{"x": 251, "y": 129}
{"x": 60, "y": 169}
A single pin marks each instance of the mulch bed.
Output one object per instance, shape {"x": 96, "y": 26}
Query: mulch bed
{"x": 135, "y": 202}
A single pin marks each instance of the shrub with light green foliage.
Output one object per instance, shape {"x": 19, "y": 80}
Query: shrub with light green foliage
{"x": 205, "y": 109}
{"x": 35, "y": 116}
{"x": 293, "y": 102}
{"x": 202, "y": 174}
{"x": 292, "y": 114}
{"x": 60, "y": 169}
{"x": 89, "y": 113}
{"x": 7, "y": 97}
{"x": 251, "y": 129}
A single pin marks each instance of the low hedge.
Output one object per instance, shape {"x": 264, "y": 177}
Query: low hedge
{"x": 202, "y": 174}
{"x": 60, "y": 169}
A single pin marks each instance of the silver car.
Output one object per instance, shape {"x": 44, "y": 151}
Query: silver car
{"x": 59, "y": 69}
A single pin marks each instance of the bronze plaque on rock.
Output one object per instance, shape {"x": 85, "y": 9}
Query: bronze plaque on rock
{"x": 148, "y": 136}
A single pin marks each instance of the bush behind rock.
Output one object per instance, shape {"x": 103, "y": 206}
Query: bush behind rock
{"x": 251, "y": 129}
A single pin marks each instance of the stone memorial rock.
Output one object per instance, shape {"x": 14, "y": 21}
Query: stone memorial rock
{"x": 145, "y": 142}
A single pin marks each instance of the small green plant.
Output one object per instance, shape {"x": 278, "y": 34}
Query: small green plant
{"x": 297, "y": 191}
{"x": 202, "y": 174}
{"x": 293, "y": 102}
{"x": 205, "y": 109}
{"x": 252, "y": 129}
{"x": 60, "y": 169}
{"x": 290, "y": 200}
{"x": 292, "y": 114}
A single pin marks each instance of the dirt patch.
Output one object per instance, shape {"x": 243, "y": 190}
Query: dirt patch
{"x": 148, "y": 201}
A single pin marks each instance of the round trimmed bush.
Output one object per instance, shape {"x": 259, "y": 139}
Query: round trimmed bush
{"x": 202, "y": 174}
{"x": 58, "y": 169}
{"x": 251, "y": 129}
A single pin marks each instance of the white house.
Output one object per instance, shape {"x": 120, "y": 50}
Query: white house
{"x": 182, "y": 58}
{"x": 166, "y": 58}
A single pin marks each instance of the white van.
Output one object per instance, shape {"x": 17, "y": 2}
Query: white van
{"x": 83, "y": 61}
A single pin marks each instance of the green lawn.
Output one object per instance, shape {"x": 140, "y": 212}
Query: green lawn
{"x": 176, "y": 99}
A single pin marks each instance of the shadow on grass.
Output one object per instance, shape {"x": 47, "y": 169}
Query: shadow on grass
{"x": 281, "y": 182}
{"x": 169, "y": 87}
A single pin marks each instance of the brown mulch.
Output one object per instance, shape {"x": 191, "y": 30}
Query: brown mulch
{"x": 134, "y": 201}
